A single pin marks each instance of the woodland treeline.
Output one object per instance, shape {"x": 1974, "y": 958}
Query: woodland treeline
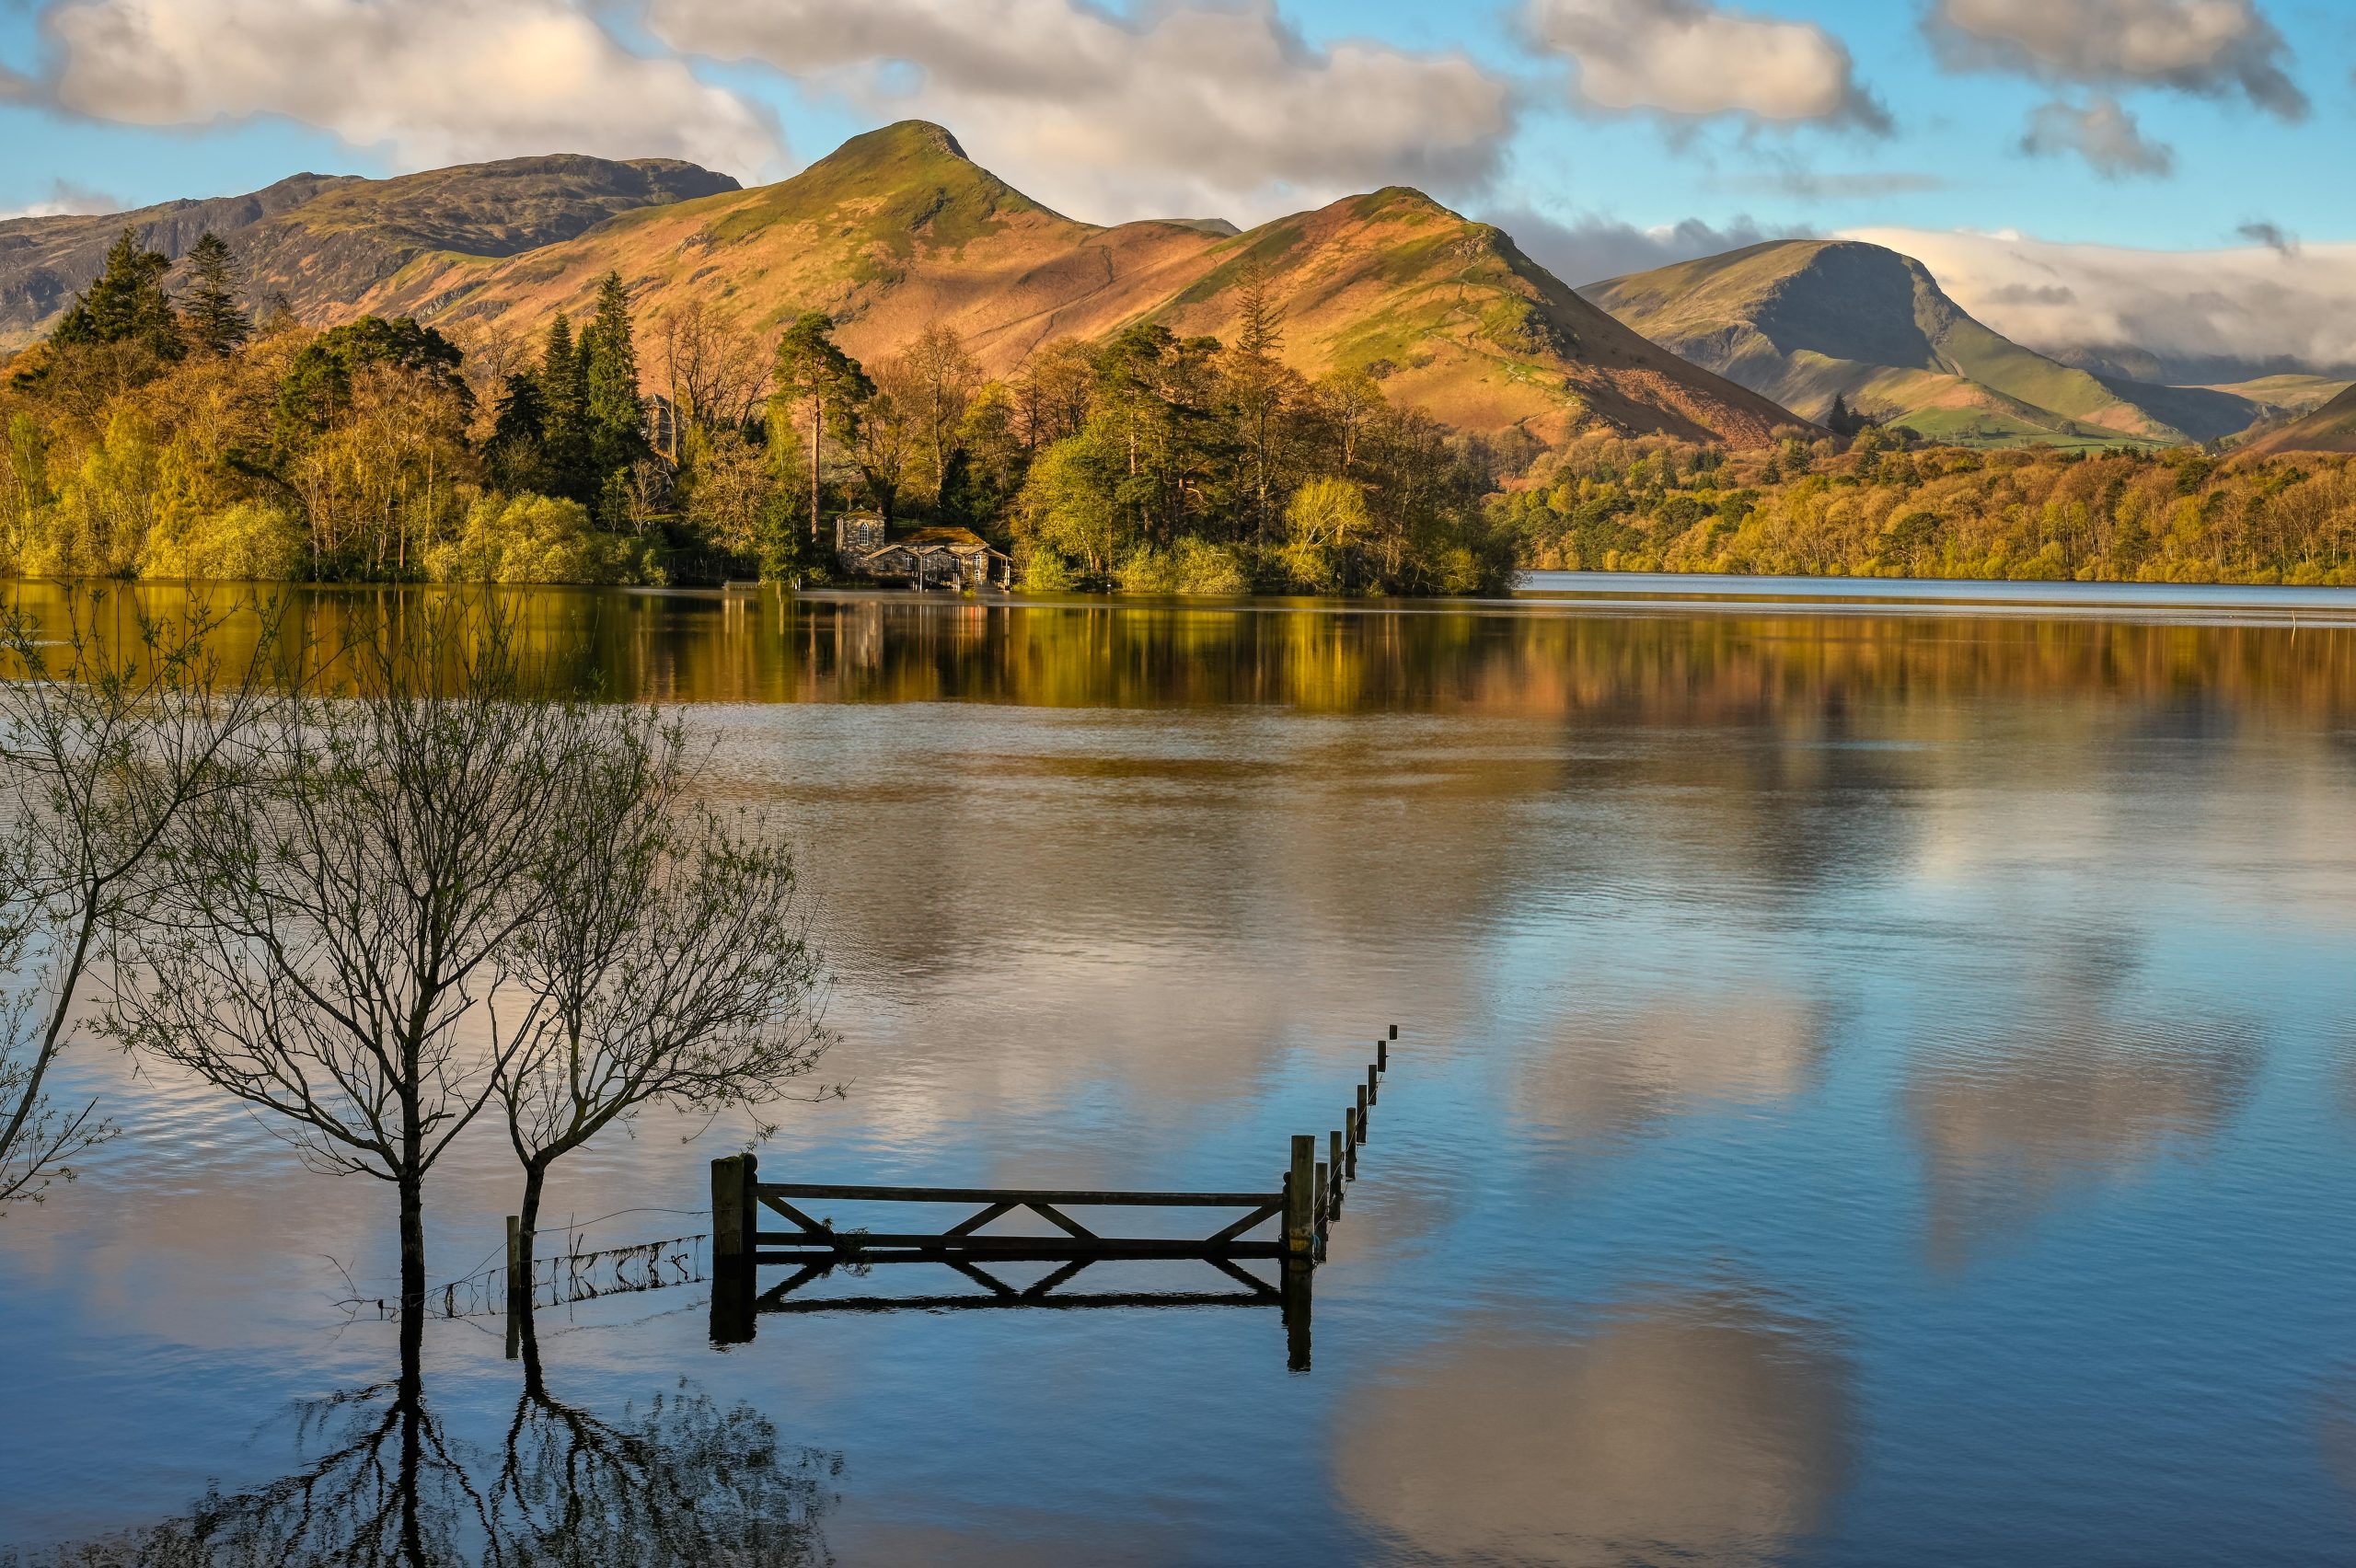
{"x": 1876, "y": 507}
{"x": 162, "y": 432}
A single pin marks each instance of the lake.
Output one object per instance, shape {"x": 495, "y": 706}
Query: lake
{"x": 1875, "y": 1084}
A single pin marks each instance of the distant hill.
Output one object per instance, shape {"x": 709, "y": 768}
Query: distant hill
{"x": 2331, "y": 428}
{"x": 897, "y": 229}
{"x": 1804, "y": 322}
{"x": 2195, "y": 369}
{"x": 325, "y": 240}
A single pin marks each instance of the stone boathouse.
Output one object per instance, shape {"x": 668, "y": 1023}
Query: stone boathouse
{"x": 924, "y": 557}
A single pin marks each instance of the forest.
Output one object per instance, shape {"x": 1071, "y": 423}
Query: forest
{"x": 1878, "y": 505}
{"x": 163, "y": 431}
{"x": 1886, "y": 507}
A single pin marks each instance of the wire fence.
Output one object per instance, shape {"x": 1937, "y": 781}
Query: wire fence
{"x": 561, "y": 1278}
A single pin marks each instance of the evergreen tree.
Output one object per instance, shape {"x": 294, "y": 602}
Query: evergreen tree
{"x": 564, "y": 401}
{"x": 519, "y": 430}
{"x": 826, "y": 386}
{"x": 615, "y": 417}
{"x": 319, "y": 385}
{"x": 126, "y": 303}
{"x": 215, "y": 320}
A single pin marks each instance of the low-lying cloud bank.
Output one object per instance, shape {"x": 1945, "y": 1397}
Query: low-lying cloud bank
{"x": 1594, "y": 250}
{"x": 2203, "y": 315}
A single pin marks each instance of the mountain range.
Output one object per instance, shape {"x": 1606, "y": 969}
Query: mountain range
{"x": 1805, "y": 321}
{"x": 897, "y": 230}
{"x": 325, "y": 241}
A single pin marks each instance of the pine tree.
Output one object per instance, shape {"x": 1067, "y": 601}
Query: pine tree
{"x": 518, "y": 433}
{"x": 616, "y": 419}
{"x": 215, "y": 320}
{"x": 565, "y": 399}
{"x": 126, "y": 303}
{"x": 826, "y": 386}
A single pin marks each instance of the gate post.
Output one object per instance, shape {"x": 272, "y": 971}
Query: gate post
{"x": 1300, "y": 1196}
{"x": 734, "y": 1226}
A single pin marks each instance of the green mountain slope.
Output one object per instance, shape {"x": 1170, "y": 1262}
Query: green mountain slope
{"x": 325, "y": 240}
{"x": 1804, "y": 322}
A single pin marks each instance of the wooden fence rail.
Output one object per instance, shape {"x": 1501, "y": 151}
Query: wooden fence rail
{"x": 1306, "y": 1203}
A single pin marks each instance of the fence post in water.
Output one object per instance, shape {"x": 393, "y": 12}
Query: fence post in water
{"x": 1361, "y": 1113}
{"x": 1350, "y": 1142}
{"x": 1299, "y": 1192}
{"x": 1297, "y": 1297}
{"x": 734, "y": 1224}
{"x": 1383, "y": 1051}
{"x": 1334, "y": 1159}
{"x": 1324, "y": 1202}
{"x": 1374, "y": 1082}
{"x": 732, "y": 1221}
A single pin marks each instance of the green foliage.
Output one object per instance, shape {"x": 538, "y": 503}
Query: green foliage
{"x": 215, "y": 320}
{"x": 527, "y": 539}
{"x": 2128, "y": 515}
{"x": 613, "y": 419}
{"x": 126, "y": 303}
{"x": 250, "y": 541}
{"x": 564, "y": 446}
{"x": 819, "y": 390}
{"x": 319, "y": 384}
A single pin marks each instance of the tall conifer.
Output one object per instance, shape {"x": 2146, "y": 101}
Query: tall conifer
{"x": 565, "y": 399}
{"x": 615, "y": 417}
{"x": 216, "y": 319}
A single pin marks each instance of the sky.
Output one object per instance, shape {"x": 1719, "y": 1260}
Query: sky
{"x": 1607, "y": 135}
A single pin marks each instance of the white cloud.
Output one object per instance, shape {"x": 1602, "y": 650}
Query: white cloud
{"x": 1193, "y": 108}
{"x": 2211, "y": 46}
{"x": 1690, "y": 57}
{"x": 435, "y": 81}
{"x": 66, "y": 198}
{"x": 1591, "y": 249}
{"x": 2100, "y": 131}
{"x": 2253, "y": 306}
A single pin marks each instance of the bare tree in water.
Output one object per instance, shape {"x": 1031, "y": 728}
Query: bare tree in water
{"x": 672, "y": 963}
{"x": 331, "y": 954}
{"x": 115, "y": 721}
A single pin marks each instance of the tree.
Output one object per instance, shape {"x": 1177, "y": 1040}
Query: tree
{"x": 319, "y": 384}
{"x": 517, "y": 450}
{"x": 733, "y": 483}
{"x": 339, "y": 929}
{"x": 937, "y": 379}
{"x": 612, "y": 413}
{"x": 824, "y": 386}
{"x": 717, "y": 378}
{"x": 564, "y": 418}
{"x": 1256, "y": 384}
{"x": 215, "y": 319}
{"x": 114, "y": 722}
{"x": 126, "y": 303}
{"x": 672, "y": 964}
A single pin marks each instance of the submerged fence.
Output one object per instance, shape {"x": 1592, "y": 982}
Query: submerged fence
{"x": 1305, "y": 1202}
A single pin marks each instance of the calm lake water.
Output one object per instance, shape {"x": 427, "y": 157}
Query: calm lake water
{"x": 1875, "y": 1087}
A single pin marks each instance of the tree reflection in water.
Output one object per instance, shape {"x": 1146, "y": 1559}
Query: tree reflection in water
{"x": 678, "y": 1481}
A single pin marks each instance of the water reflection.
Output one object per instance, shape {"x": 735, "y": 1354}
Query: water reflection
{"x": 1613, "y": 1071}
{"x": 678, "y": 1483}
{"x": 1707, "y": 1427}
{"x": 1679, "y": 664}
{"x": 2083, "y": 1078}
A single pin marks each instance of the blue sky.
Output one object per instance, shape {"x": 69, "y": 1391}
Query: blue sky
{"x": 1503, "y": 112}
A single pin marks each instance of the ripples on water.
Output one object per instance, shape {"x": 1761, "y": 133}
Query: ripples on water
{"x": 1875, "y": 1087}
